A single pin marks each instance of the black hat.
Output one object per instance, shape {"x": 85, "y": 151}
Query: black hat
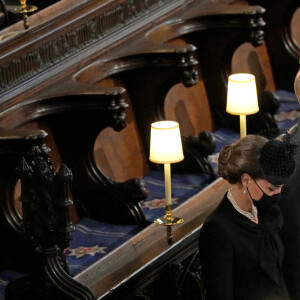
{"x": 277, "y": 161}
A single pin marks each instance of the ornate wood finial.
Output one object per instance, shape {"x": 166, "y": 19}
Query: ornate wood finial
{"x": 46, "y": 223}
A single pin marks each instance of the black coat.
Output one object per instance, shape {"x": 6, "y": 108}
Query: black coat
{"x": 241, "y": 259}
{"x": 290, "y": 233}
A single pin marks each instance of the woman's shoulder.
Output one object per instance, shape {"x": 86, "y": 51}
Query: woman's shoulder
{"x": 220, "y": 220}
{"x": 225, "y": 220}
{"x": 223, "y": 211}
{"x": 216, "y": 230}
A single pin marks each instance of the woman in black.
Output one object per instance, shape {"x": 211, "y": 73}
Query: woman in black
{"x": 240, "y": 250}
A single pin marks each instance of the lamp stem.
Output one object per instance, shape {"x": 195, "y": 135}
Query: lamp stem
{"x": 243, "y": 126}
{"x": 168, "y": 196}
{"x": 169, "y": 221}
{"x": 168, "y": 201}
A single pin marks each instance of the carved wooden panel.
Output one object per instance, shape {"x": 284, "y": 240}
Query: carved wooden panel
{"x": 254, "y": 60}
{"x": 114, "y": 150}
{"x": 283, "y": 51}
{"x": 295, "y": 26}
{"x": 189, "y": 106}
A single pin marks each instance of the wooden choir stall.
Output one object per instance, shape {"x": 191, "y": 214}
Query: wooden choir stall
{"x": 79, "y": 90}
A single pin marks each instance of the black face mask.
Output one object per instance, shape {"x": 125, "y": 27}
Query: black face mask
{"x": 265, "y": 201}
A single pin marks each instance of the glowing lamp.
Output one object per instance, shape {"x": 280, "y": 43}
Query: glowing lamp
{"x": 166, "y": 148}
{"x": 242, "y": 98}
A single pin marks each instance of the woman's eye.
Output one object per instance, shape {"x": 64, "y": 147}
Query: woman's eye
{"x": 273, "y": 189}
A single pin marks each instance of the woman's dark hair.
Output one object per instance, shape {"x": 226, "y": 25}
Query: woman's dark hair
{"x": 241, "y": 157}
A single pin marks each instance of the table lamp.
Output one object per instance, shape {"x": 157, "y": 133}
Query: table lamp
{"x": 166, "y": 148}
{"x": 242, "y": 98}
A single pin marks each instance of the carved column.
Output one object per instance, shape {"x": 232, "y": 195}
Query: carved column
{"x": 47, "y": 226}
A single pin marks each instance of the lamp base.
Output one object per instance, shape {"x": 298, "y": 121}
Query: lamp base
{"x": 168, "y": 221}
{"x": 20, "y": 10}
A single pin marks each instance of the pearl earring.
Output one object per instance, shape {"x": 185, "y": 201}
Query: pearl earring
{"x": 244, "y": 190}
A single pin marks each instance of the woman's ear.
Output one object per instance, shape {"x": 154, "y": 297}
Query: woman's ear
{"x": 245, "y": 179}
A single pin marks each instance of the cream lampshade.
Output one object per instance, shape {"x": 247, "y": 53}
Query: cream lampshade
{"x": 242, "y": 98}
{"x": 165, "y": 143}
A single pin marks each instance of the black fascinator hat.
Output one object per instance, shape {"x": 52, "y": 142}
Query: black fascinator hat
{"x": 277, "y": 161}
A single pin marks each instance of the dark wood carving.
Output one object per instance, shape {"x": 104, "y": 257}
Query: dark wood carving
{"x": 14, "y": 144}
{"x": 283, "y": 51}
{"x": 187, "y": 278}
{"x": 76, "y": 119}
{"x": 196, "y": 152}
{"x": 46, "y": 225}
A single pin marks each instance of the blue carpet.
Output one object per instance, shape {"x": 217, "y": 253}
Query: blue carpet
{"x": 92, "y": 240}
{"x": 184, "y": 186}
{"x": 289, "y": 111}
